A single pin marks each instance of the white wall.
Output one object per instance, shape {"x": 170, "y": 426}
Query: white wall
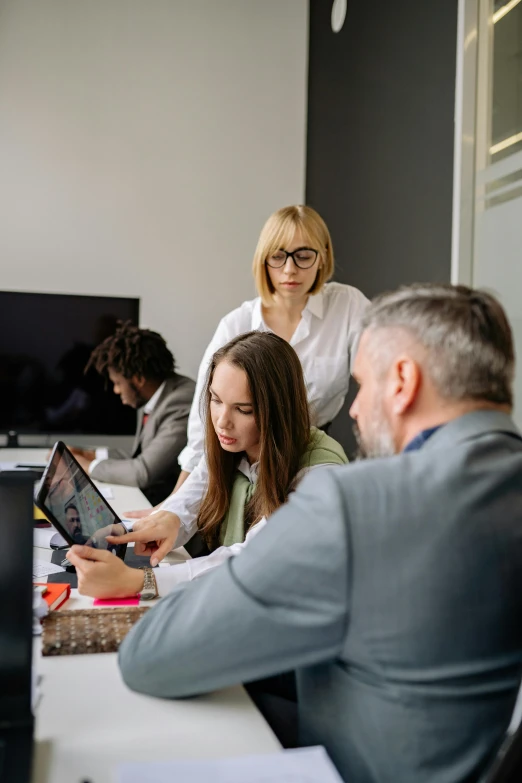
{"x": 142, "y": 145}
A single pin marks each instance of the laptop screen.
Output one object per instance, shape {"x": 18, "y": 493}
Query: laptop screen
{"x": 70, "y": 499}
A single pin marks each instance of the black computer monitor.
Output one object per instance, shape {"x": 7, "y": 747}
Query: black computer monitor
{"x": 45, "y": 342}
{"x": 16, "y": 623}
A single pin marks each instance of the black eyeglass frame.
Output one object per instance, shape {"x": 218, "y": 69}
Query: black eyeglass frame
{"x": 292, "y": 256}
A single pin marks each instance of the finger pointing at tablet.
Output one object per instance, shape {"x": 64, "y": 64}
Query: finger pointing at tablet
{"x": 154, "y": 535}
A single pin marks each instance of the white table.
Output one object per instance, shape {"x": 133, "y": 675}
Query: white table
{"x": 87, "y": 720}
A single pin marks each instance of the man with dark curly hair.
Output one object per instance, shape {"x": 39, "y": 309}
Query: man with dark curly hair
{"x": 142, "y": 371}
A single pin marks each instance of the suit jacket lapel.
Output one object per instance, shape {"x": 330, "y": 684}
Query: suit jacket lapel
{"x": 138, "y": 440}
{"x": 137, "y": 437}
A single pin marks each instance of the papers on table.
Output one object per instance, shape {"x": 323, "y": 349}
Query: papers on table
{"x": 107, "y": 492}
{"x": 11, "y": 466}
{"x": 304, "y": 765}
{"x": 43, "y": 568}
{"x": 42, "y": 536}
{"x": 21, "y": 465}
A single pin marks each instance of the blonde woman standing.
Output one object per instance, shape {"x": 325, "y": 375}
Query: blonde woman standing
{"x": 292, "y": 265}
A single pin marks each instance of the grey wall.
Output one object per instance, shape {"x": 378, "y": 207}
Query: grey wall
{"x": 380, "y": 140}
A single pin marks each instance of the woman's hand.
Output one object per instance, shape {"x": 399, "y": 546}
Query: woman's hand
{"x": 103, "y": 575}
{"x": 154, "y": 536}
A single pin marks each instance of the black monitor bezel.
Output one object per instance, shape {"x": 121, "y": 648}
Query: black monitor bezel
{"x": 25, "y": 431}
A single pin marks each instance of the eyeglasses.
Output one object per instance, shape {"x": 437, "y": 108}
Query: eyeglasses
{"x": 303, "y": 257}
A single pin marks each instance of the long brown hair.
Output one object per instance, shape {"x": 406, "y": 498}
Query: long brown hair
{"x": 279, "y": 401}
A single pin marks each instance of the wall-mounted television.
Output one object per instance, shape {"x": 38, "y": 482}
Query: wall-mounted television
{"x": 45, "y": 343}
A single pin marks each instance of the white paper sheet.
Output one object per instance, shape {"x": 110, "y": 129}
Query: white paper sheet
{"x": 10, "y": 466}
{"x": 16, "y": 465}
{"x": 42, "y": 536}
{"x": 43, "y": 568}
{"x": 107, "y": 492}
{"x": 304, "y": 765}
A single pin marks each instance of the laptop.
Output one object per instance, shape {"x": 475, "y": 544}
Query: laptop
{"x": 16, "y": 625}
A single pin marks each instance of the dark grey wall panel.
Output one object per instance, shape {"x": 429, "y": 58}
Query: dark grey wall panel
{"x": 380, "y": 138}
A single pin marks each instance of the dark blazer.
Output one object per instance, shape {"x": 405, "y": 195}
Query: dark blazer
{"x": 152, "y": 464}
{"x": 393, "y": 586}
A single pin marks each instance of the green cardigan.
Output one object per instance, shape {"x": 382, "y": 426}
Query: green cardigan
{"x": 321, "y": 450}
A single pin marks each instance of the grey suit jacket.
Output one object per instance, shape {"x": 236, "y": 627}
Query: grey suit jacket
{"x": 393, "y": 586}
{"x": 153, "y": 463}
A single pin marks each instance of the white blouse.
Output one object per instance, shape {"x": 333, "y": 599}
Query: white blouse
{"x": 325, "y": 341}
{"x": 186, "y": 503}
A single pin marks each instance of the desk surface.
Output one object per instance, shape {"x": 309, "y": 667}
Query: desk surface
{"x": 88, "y": 721}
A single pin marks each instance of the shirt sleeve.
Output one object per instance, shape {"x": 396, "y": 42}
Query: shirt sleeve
{"x": 101, "y": 454}
{"x": 193, "y": 451}
{"x": 168, "y": 577}
{"x": 282, "y": 605}
{"x": 186, "y": 502}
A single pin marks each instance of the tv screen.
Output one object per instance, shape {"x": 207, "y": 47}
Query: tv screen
{"x": 45, "y": 344}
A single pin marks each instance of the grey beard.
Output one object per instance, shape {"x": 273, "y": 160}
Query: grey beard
{"x": 382, "y": 446}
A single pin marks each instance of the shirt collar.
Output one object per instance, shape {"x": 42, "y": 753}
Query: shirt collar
{"x": 314, "y": 306}
{"x": 248, "y": 470}
{"x": 257, "y": 316}
{"x": 419, "y": 440}
{"x": 151, "y": 404}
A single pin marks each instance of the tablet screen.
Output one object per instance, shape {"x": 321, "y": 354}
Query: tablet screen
{"x": 76, "y": 504}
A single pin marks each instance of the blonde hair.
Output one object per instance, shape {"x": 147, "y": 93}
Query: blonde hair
{"x": 278, "y": 231}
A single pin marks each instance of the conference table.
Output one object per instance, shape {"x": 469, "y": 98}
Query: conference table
{"x": 88, "y": 721}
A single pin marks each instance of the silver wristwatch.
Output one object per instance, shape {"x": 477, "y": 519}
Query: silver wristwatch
{"x": 150, "y": 588}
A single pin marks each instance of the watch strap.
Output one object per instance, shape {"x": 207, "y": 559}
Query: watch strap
{"x": 150, "y": 587}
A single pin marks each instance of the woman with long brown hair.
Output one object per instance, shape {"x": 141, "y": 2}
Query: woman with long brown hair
{"x": 258, "y": 445}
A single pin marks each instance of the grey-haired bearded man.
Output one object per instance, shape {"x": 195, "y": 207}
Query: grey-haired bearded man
{"x": 392, "y": 586}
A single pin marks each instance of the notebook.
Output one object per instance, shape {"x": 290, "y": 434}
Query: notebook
{"x": 55, "y": 594}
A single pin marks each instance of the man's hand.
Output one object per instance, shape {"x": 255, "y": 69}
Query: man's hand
{"x": 83, "y": 456}
{"x": 88, "y": 454}
{"x": 103, "y": 575}
{"x": 154, "y": 536}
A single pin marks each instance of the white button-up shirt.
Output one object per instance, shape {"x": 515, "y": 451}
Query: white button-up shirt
{"x": 186, "y": 503}
{"x": 325, "y": 341}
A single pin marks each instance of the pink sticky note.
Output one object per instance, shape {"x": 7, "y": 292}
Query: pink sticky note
{"x": 116, "y": 601}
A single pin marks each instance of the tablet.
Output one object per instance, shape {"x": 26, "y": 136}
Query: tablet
{"x": 73, "y": 504}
